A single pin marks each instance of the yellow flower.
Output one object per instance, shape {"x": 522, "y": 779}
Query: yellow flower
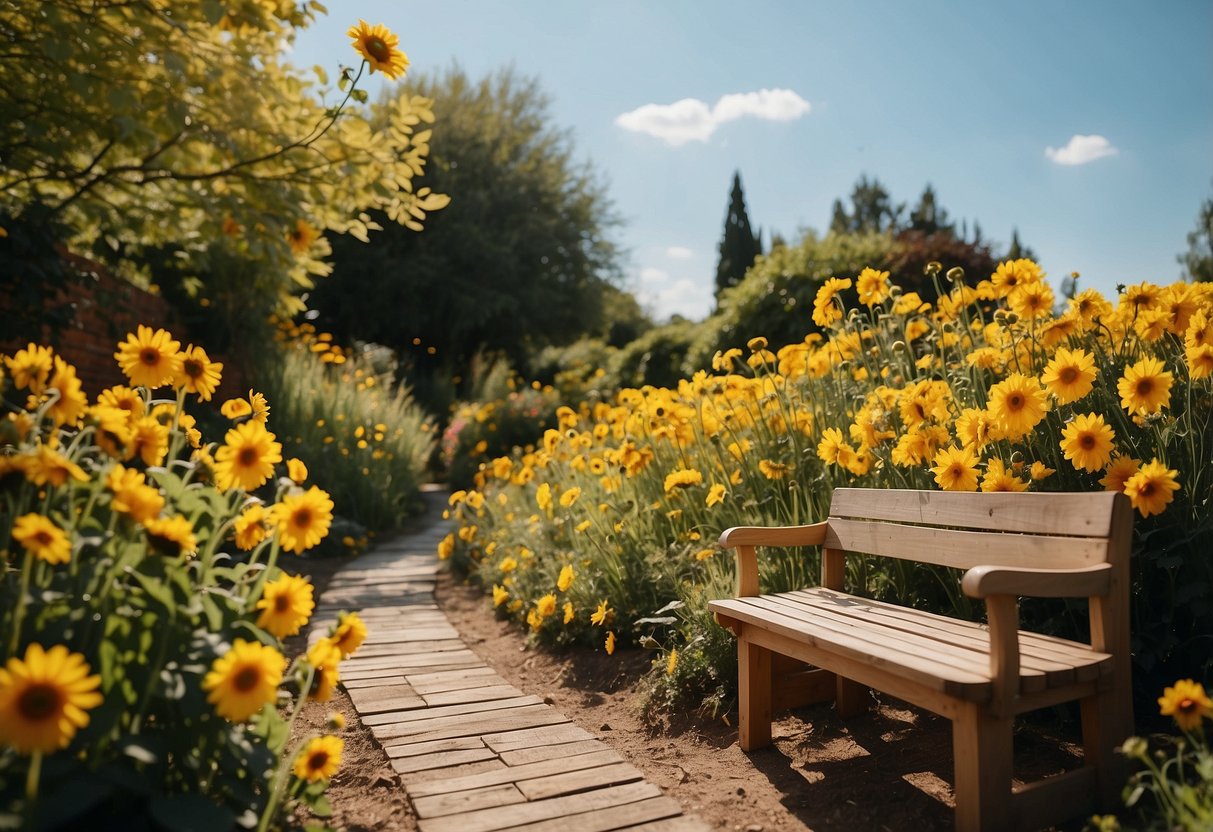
{"x": 72, "y": 403}
{"x": 172, "y": 536}
{"x": 1187, "y": 702}
{"x": 1088, "y": 442}
{"x": 774, "y": 470}
{"x": 132, "y": 495}
{"x": 250, "y": 527}
{"x": 42, "y": 538}
{"x": 235, "y": 408}
{"x": 998, "y": 478}
{"x": 671, "y": 663}
{"x": 568, "y": 612}
{"x": 149, "y": 441}
{"x": 1152, "y": 487}
{"x": 286, "y": 604}
{"x": 259, "y": 406}
{"x": 319, "y": 759}
{"x": 31, "y": 367}
{"x": 1200, "y": 360}
{"x": 1145, "y": 387}
{"x": 44, "y": 698}
{"x": 297, "y": 471}
{"x": 570, "y": 496}
{"x": 244, "y": 679}
{"x": 500, "y": 595}
{"x": 546, "y": 605}
{"x": 349, "y": 633}
{"x": 543, "y": 496}
{"x": 303, "y": 519}
{"x": 49, "y": 467}
{"x": 1017, "y": 403}
{"x": 829, "y": 446}
{"x": 872, "y": 286}
{"x": 149, "y": 359}
{"x": 566, "y": 578}
{"x": 682, "y": 478}
{"x": 198, "y": 374}
{"x": 247, "y": 458}
{"x": 1031, "y": 300}
{"x": 325, "y": 658}
{"x": 507, "y": 565}
{"x": 610, "y": 644}
{"x": 1012, "y": 274}
{"x": 600, "y": 615}
{"x": 1069, "y": 375}
{"x": 380, "y": 48}
{"x": 1118, "y": 472}
{"x": 955, "y": 469}
{"x": 825, "y": 310}
{"x": 123, "y": 398}
{"x": 704, "y": 554}
{"x": 446, "y": 546}
{"x": 302, "y": 236}
{"x": 716, "y": 495}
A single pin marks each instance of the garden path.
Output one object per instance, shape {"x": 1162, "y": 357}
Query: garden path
{"x": 473, "y": 753}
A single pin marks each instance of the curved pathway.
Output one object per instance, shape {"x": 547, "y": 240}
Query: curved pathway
{"x": 473, "y": 753}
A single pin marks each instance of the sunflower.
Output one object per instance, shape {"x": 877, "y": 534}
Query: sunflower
{"x": 1187, "y": 702}
{"x": 324, "y": 656}
{"x": 302, "y": 236}
{"x": 872, "y": 286}
{"x": 31, "y": 367}
{"x": 1031, "y": 300}
{"x": 149, "y": 441}
{"x": 1017, "y": 404}
{"x": 825, "y": 310}
{"x": 1012, "y": 274}
{"x": 250, "y": 527}
{"x": 124, "y": 398}
{"x": 198, "y": 374}
{"x": 380, "y": 48}
{"x": 349, "y": 633}
{"x": 247, "y": 458}
{"x": 1200, "y": 360}
{"x": 244, "y": 679}
{"x": 113, "y": 433}
{"x": 955, "y": 469}
{"x": 1152, "y": 487}
{"x": 171, "y": 536}
{"x": 1118, "y": 472}
{"x": 286, "y": 604}
{"x": 44, "y": 697}
{"x": 973, "y": 428}
{"x": 998, "y": 478}
{"x": 778, "y": 470}
{"x": 500, "y": 595}
{"x": 319, "y": 759}
{"x": 42, "y": 538}
{"x": 72, "y": 403}
{"x": 1088, "y": 442}
{"x": 1089, "y": 305}
{"x": 132, "y": 495}
{"x": 1145, "y": 387}
{"x": 1070, "y": 374}
{"x": 303, "y": 519}
{"x": 149, "y": 359}
{"x": 46, "y": 466}
{"x": 682, "y": 478}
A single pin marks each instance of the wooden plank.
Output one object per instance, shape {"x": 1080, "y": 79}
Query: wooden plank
{"x": 436, "y": 747}
{"x": 505, "y": 817}
{"x": 420, "y": 680}
{"x": 964, "y": 549}
{"x": 469, "y": 801}
{"x": 482, "y": 694}
{"x": 499, "y": 721}
{"x": 407, "y": 634}
{"x": 413, "y": 660}
{"x": 517, "y": 774}
{"x": 443, "y": 759}
{"x": 462, "y": 770}
{"x": 1084, "y": 514}
{"x": 423, "y": 712}
{"x": 405, "y": 648}
{"x": 396, "y": 705}
{"x": 682, "y": 823}
{"x": 570, "y": 782}
{"x": 547, "y": 752}
{"x": 535, "y": 737}
{"x": 393, "y": 680}
{"x": 431, "y": 723}
{"x": 645, "y": 812}
{"x": 379, "y": 694}
{"x": 488, "y": 679}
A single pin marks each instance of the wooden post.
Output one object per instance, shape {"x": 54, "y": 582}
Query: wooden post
{"x": 850, "y": 698}
{"x": 753, "y": 694}
{"x": 982, "y": 750}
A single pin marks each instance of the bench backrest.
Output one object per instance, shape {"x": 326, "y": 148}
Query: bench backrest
{"x": 962, "y": 530}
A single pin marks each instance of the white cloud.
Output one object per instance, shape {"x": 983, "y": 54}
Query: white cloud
{"x": 649, "y": 274}
{"x": 663, "y": 295}
{"x": 1081, "y": 149}
{"x": 691, "y": 120}
{"x": 679, "y": 253}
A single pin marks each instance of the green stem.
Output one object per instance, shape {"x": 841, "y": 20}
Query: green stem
{"x": 31, "y": 784}
{"x": 19, "y": 613}
{"x": 284, "y": 763}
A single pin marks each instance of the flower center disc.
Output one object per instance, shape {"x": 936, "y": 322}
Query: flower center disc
{"x": 193, "y": 369}
{"x": 1068, "y": 375}
{"x": 378, "y": 49}
{"x": 1087, "y": 442}
{"x": 302, "y": 518}
{"x": 282, "y": 603}
{"x": 318, "y": 760}
{"x": 149, "y": 356}
{"x": 246, "y": 679}
{"x": 38, "y": 702}
{"x": 248, "y": 457}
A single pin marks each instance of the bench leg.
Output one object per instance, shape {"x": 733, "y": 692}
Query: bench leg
{"x": 850, "y": 697}
{"x": 1104, "y": 728}
{"x": 753, "y": 695}
{"x": 982, "y": 750}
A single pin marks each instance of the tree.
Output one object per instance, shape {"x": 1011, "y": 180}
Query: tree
{"x": 871, "y": 210}
{"x": 1017, "y": 250}
{"x": 928, "y": 217}
{"x": 520, "y": 259}
{"x": 178, "y": 127}
{"x": 1198, "y": 259}
{"x": 739, "y": 245}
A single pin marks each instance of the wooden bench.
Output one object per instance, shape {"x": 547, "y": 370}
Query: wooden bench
{"x": 977, "y": 675}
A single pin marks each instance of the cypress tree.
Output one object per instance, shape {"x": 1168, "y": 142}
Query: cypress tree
{"x": 739, "y": 245}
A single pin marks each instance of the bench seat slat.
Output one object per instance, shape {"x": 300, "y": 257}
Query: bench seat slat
{"x": 964, "y": 549}
{"x": 1049, "y": 654}
{"x": 1081, "y": 514}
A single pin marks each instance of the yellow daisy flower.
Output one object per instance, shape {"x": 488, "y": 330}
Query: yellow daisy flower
{"x": 1187, "y": 702}
{"x": 872, "y": 286}
{"x": 998, "y": 478}
{"x": 1145, "y": 387}
{"x": 1118, "y": 472}
{"x": 244, "y": 679}
{"x": 827, "y": 308}
{"x": 715, "y": 495}
{"x": 380, "y": 48}
{"x": 1152, "y": 487}
{"x": 319, "y": 759}
{"x": 132, "y": 495}
{"x": 247, "y": 458}
{"x": 566, "y": 578}
{"x": 171, "y": 536}
{"x": 303, "y": 519}
{"x": 149, "y": 358}
{"x": 31, "y": 367}
{"x": 600, "y": 615}
{"x": 46, "y": 466}
{"x": 286, "y": 604}
{"x": 325, "y": 659}
{"x": 610, "y": 644}
{"x": 72, "y": 403}
{"x": 1070, "y": 374}
{"x": 198, "y": 374}
{"x": 349, "y": 633}
{"x": 1088, "y": 442}
{"x": 955, "y": 469}
{"x": 682, "y": 478}
{"x": 45, "y": 541}
{"x": 302, "y": 236}
{"x": 250, "y": 527}
{"x": 1017, "y": 404}
{"x": 44, "y": 697}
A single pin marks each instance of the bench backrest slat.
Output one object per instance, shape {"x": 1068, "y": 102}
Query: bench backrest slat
{"x": 1086, "y": 514}
{"x": 1038, "y": 530}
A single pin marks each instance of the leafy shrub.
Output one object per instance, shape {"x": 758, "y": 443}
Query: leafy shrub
{"x": 142, "y": 610}
{"x": 479, "y": 431}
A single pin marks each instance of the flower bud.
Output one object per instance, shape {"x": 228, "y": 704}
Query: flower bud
{"x": 955, "y": 273}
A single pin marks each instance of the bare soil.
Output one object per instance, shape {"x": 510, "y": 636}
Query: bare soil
{"x": 889, "y": 769}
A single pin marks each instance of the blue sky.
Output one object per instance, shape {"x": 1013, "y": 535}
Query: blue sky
{"x": 1086, "y": 125}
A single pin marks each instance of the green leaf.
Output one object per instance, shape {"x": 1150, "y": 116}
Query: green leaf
{"x": 359, "y": 95}
{"x": 155, "y": 588}
{"x": 190, "y": 813}
{"x": 322, "y": 808}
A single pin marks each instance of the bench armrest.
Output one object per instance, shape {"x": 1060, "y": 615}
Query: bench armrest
{"x": 984, "y": 581}
{"x": 745, "y": 538}
{"x": 813, "y": 535}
